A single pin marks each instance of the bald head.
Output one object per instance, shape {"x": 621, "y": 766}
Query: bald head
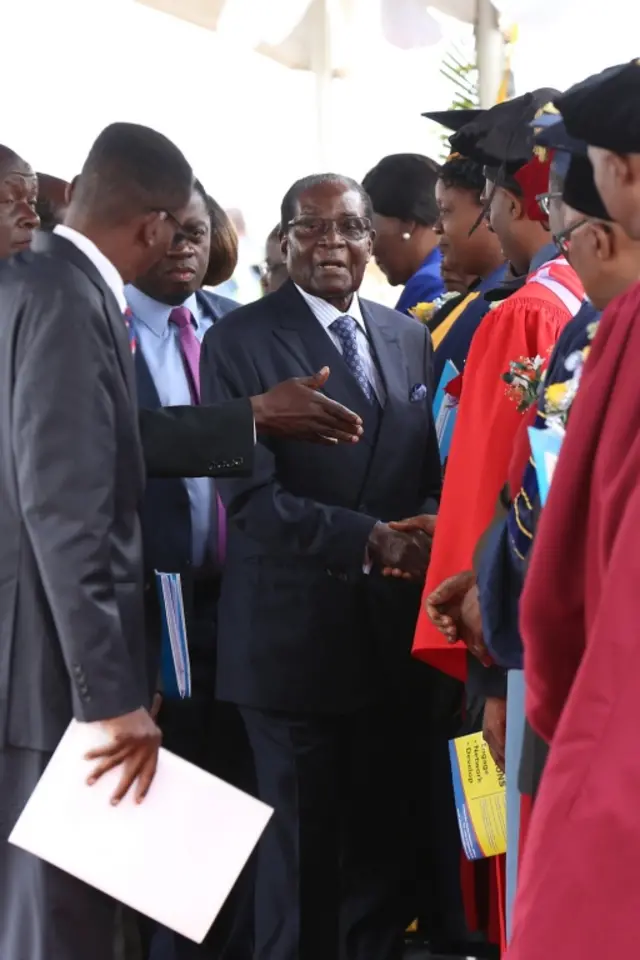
{"x": 131, "y": 170}
{"x": 18, "y": 196}
{"x": 130, "y": 195}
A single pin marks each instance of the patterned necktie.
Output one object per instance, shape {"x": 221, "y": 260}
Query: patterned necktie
{"x": 190, "y": 350}
{"x": 345, "y": 329}
{"x": 128, "y": 322}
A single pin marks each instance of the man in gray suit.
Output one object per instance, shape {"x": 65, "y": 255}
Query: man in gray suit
{"x": 71, "y": 477}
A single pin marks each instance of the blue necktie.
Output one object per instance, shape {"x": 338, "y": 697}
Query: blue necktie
{"x": 345, "y": 329}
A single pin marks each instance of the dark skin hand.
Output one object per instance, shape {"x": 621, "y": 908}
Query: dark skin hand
{"x": 454, "y": 609}
{"x": 424, "y": 524}
{"x": 396, "y": 549}
{"x": 471, "y": 627}
{"x": 296, "y": 409}
{"x": 134, "y": 745}
{"x": 494, "y": 728}
{"x": 444, "y": 604}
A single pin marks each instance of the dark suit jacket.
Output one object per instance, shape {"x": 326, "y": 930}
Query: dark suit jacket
{"x": 300, "y": 626}
{"x": 198, "y": 442}
{"x": 166, "y": 510}
{"x": 71, "y": 479}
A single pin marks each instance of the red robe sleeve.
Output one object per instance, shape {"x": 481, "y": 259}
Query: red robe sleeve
{"x": 579, "y": 616}
{"x": 526, "y": 325}
{"x": 580, "y": 519}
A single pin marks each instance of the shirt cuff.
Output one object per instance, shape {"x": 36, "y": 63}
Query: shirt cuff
{"x": 367, "y": 565}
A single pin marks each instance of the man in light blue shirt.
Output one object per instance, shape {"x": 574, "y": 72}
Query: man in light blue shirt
{"x": 184, "y": 528}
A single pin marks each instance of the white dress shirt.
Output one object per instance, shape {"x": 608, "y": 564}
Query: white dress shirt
{"x": 103, "y": 265}
{"x": 325, "y": 313}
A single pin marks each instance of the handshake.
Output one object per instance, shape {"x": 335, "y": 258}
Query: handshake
{"x": 403, "y": 548}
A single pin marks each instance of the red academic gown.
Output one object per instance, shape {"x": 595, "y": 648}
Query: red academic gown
{"x": 580, "y": 882}
{"x": 527, "y": 324}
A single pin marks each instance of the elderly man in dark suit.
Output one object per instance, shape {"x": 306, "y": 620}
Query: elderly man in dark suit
{"x": 313, "y": 642}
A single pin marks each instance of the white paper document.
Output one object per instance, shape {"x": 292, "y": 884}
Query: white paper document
{"x": 174, "y": 857}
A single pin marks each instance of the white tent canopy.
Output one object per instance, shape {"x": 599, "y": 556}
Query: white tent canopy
{"x": 326, "y": 36}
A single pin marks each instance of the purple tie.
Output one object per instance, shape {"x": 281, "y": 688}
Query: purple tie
{"x": 190, "y": 349}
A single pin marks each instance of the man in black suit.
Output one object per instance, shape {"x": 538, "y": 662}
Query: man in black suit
{"x": 71, "y": 615}
{"x": 183, "y": 532}
{"x": 313, "y": 642}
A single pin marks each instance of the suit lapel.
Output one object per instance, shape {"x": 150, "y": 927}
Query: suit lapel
{"x": 52, "y": 244}
{"x": 385, "y": 341}
{"x": 147, "y": 394}
{"x": 304, "y": 338}
{"x": 392, "y": 364}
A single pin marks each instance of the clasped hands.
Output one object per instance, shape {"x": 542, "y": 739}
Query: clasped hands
{"x": 402, "y": 548}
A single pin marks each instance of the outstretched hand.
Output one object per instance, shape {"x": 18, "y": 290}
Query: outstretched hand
{"x": 297, "y": 410}
{"x": 454, "y": 609}
{"x": 444, "y": 604}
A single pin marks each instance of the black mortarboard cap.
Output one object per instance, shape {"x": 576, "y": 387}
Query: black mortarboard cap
{"x": 465, "y": 140}
{"x": 454, "y": 120}
{"x": 603, "y": 109}
{"x": 580, "y": 190}
{"x": 508, "y": 142}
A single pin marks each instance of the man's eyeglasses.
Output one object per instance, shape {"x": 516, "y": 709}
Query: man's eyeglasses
{"x": 562, "y": 239}
{"x": 313, "y": 228}
{"x": 544, "y": 201}
{"x": 182, "y": 232}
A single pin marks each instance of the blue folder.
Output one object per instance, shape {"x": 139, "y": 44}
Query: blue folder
{"x": 174, "y": 658}
{"x": 445, "y": 410}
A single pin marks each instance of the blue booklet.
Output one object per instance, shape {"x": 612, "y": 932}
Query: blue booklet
{"x": 445, "y": 410}
{"x": 545, "y": 447}
{"x": 174, "y": 664}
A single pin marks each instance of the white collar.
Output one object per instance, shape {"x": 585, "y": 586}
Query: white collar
{"x": 326, "y": 313}
{"x": 102, "y": 264}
